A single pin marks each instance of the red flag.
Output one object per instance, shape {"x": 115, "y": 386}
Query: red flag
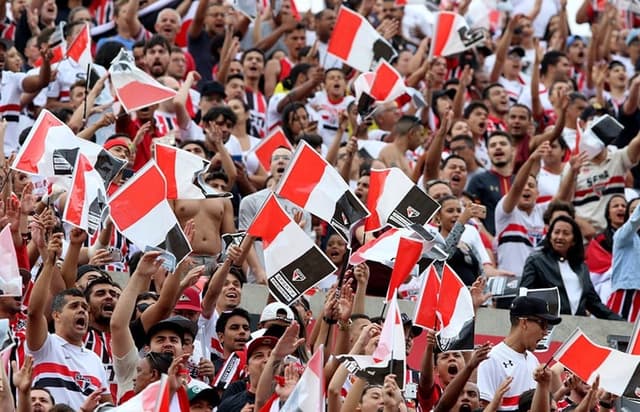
{"x": 294, "y": 10}
{"x": 268, "y": 145}
{"x": 134, "y": 88}
{"x": 87, "y": 198}
{"x": 10, "y": 279}
{"x": 451, "y": 35}
{"x": 80, "y": 48}
{"x": 313, "y": 184}
{"x": 140, "y": 211}
{"x": 455, "y": 312}
{"x": 356, "y": 42}
{"x": 634, "y": 342}
{"x": 57, "y": 55}
{"x": 394, "y": 199}
{"x": 618, "y": 371}
{"x": 309, "y": 393}
{"x": 425, "y": 310}
{"x": 407, "y": 255}
{"x": 387, "y": 83}
{"x": 293, "y": 262}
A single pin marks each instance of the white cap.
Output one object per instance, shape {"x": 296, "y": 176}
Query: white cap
{"x": 277, "y": 311}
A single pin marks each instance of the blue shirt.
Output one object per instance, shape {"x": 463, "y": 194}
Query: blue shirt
{"x": 626, "y": 254}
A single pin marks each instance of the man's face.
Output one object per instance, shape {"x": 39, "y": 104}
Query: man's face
{"x": 231, "y": 293}
{"x": 295, "y": 40}
{"x": 166, "y": 341}
{"x": 77, "y": 96}
{"x": 168, "y": 24}
{"x": 390, "y": 11}
{"x": 121, "y": 152}
{"x": 102, "y": 301}
{"x": 478, "y": 121}
{"x": 416, "y": 137}
{"x": 533, "y": 330}
{"x": 73, "y": 319}
{"x": 362, "y": 188}
{"x": 144, "y": 375}
{"x": 236, "y": 334}
{"x": 177, "y": 67}
{"x": 576, "y": 52}
{"x": 17, "y": 8}
{"x": 214, "y": 19}
{"x": 529, "y": 194}
{"x": 576, "y": 108}
{"x": 469, "y": 398}
{"x": 209, "y": 102}
{"x": 356, "y": 328}
{"x": 563, "y": 68}
{"x": 500, "y": 151}
{"x": 448, "y": 364}
{"x": 138, "y": 57}
{"x": 555, "y": 155}
{"x": 455, "y": 171}
{"x": 439, "y": 190}
{"x": 257, "y": 361}
{"x": 279, "y": 161}
{"x": 253, "y": 65}
{"x": 225, "y": 126}
{"x": 518, "y": 121}
{"x": 156, "y": 60}
{"x": 335, "y": 84}
{"x": 40, "y": 401}
{"x": 324, "y": 26}
{"x": 499, "y": 100}
{"x": 234, "y": 89}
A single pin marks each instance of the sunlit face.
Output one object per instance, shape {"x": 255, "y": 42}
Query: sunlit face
{"x": 562, "y": 237}
{"x": 335, "y": 84}
{"x": 168, "y": 24}
{"x": 478, "y": 121}
{"x": 40, "y": 401}
{"x": 156, "y": 60}
{"x": 372, "y": 399}
{"x": 166, "y": 341}
{"x": 617, "y": 208}
{"x": 236, "y": 334}
{"x": 234, "y": 89}
{"x": 449, "y": 214}
{"x": 336, "y": 249}
{"x": 500, "y": 151}
{"x": 13, "y": 60}
{"x": 448, "y": 364}
{"x": 253, "y": 65}
{"x": 455, "y": 171}
{"x": 518, "y": 121}
{"x": 529, "y": 194}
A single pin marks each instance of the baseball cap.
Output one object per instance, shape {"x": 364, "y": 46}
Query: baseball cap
{"x": 517, "y": 50}
{"x": 189, "y": 300}
{"x": 211, "y": 88}
{"x": 451, "y": 93}
{"x": 529, "y": 306}
{"x": 199, "y": 390}
{"x": 84, "y": 269}
{"x": 265, "y": 340}
{"x": 174, "y": 323}
{"x": 406, "y": 320}
{"x": 633, "y": 35}
{"x": 7, "y": 44}
{"x": 277, "y": 311}
{"x": 574, "y": 38}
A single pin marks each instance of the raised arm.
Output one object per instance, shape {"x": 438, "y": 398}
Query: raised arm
{"x": 36, "y": 330}
{"x": 434, "y": 154}
{"x": 513, "y": 195}
{"x": 131, "y": 19}
{"x": 180, "y": 100}
{"x": 567, "y": 188}
{"x": 536, "y": 103}
{"x": 556, "y": 131}
{"x": 503, "y": 48}
{"x": 210, "y": 298}
{"x": 458, "y": 100}
{"x": 33, "y": 84}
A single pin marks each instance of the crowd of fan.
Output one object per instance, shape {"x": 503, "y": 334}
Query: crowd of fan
{"x": 495, "y": 138}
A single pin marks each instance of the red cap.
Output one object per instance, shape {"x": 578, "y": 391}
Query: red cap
{"x": 190, "y": 300}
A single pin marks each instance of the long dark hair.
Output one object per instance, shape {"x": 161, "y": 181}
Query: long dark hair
{"x": 575, "y": 254}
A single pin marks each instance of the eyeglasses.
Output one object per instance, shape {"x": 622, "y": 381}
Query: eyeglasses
{"x": 541, "y": 322}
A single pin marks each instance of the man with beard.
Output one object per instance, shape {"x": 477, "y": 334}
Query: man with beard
{"x": 102, "y": 295}
{"x": 513, "y": 357}
{"x": 60, "y": 363}
{"x": 324, "y": 22}
{"x": 491, "y": 185}
{"x": 496, "y": 98}
{"x": 157, "y": 53}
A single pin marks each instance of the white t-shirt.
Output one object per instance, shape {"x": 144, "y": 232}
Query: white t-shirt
{"x": 517, "y": 234}
{"x": 208, "y": 337}
{"x": 69, "y": 372}
{"x": 504, "y": 361}
{"x": 597, "y": 183}
{"x": 250, "y": 159}
{"x": 329, "y": 113}
{"x": 10, "y": 91}
{"x": 515, "y": 88}
{"x": 548, "y": 184}
{"x": 571, "y": 284}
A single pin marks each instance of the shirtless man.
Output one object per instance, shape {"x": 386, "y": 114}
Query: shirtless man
{"x": 408, "y": 134}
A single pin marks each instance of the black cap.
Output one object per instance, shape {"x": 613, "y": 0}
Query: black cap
{"x": 174, "y": 323}
{"x": 6, "y": 43}
{"x": 517, "y": 50}
{"x": 212, "y": 88}
{"x": 406, "y": 320}
{"x": 187, "y": 325}
{"x": 528, "y": 306}
{"x": 451, "y": 93}
{"x": 84, "y": 269}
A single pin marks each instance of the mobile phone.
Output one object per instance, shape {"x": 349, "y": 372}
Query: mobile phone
{"x": 236, "y": 158}
{"x": 115, "y": 254}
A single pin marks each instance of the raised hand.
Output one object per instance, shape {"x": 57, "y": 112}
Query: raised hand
{"x": 288, "y": 342}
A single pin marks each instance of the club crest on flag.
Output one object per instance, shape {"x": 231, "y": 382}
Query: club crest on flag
{"x": 412, "y": 213}
{"x": 452, "y": 35}
{"x": 298, "y": 276}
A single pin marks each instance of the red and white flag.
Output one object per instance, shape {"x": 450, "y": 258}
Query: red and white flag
{"x": 314, "y": 185}
{"x": 184, "y": 173}
{"x": 407, "y": 255}
{"x": 87, "y": 199}
{"x": 425, "y": 309}
{"x": 383, "y": 249}
{"x": 389, "y": 356}
{"x": 356, "y": 42}
{"x": 51, "y": 150}
{"x": 57, "y": 46}
{"x": 384, "y": 84}
{"x": 452, "y": 35}
{"x": 455, "y": 313}
{"x": 10, "y": 279}
{"x": 394, "y": 199}
{"x": 293, "y": 262}
{"x": 268, "y": 145}
{"x": 309, "y": 393}
{"x": 619, "y": 372}
{"x": 136, "y": 89}
{"x": 141, "y": 212}
{"x": 156, "y": 398}
{"x": 80, "y": 48}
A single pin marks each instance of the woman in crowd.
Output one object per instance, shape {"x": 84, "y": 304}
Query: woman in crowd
{"x": 560, "y": 263}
